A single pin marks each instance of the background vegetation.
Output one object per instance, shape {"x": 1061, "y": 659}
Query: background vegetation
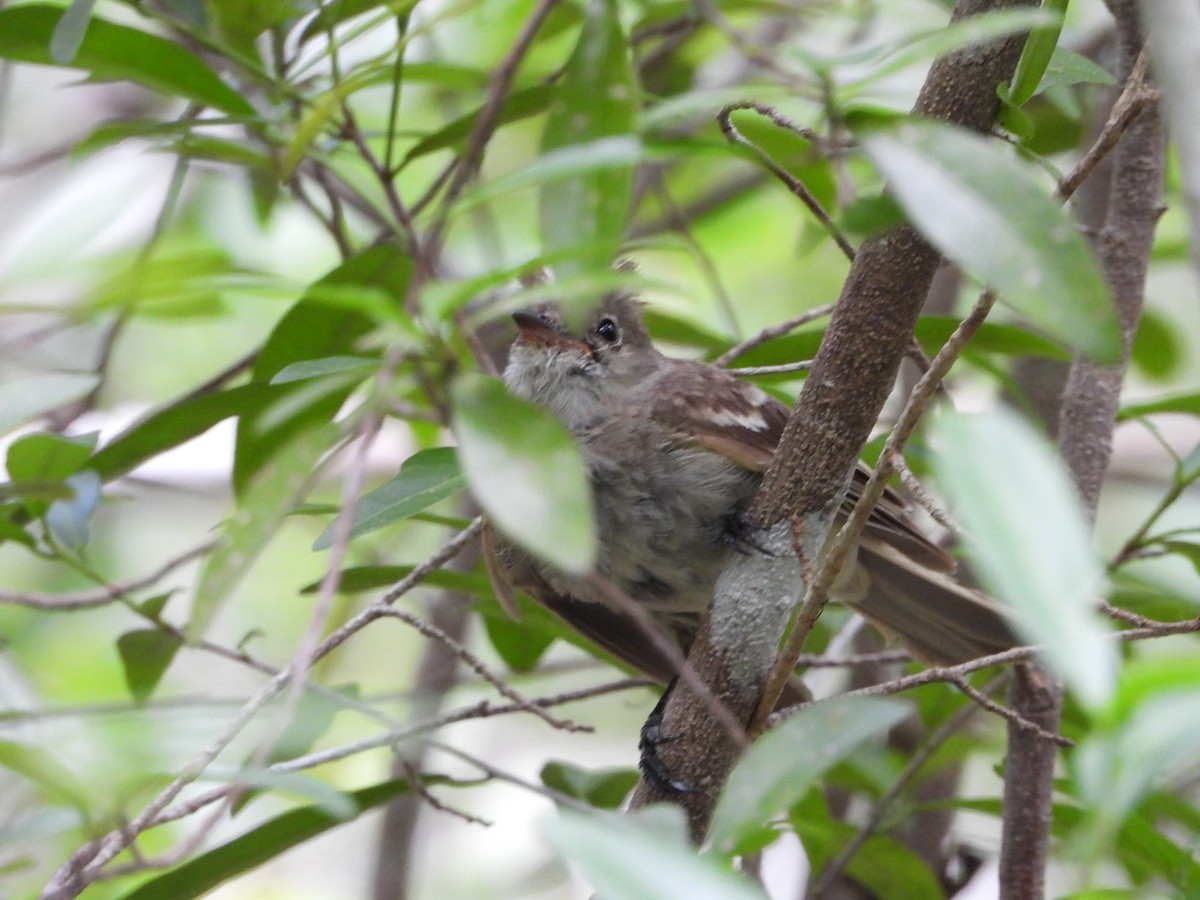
{"x": 257, "y": 260}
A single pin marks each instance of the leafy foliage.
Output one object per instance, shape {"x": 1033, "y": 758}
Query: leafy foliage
{"x": 257, "y": 271}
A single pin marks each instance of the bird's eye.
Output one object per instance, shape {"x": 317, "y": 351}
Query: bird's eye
{"x": 607, "y": 330}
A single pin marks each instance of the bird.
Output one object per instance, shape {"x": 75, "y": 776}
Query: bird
{"x": 675, "y": 450}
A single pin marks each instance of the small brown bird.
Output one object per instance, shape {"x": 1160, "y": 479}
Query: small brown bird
{"x": 675, "y": 451}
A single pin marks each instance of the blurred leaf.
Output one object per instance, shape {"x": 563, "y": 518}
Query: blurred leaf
{"x": 517, "y": 105}
{"x": 145, "y": 656}
{"x": 111, "y": 52}
{"x": 367, "y": 578}
{"x": 201, "y": 874}
{"x": 872, "y": 215}
{"x": 41, "y": 766}
{"x": 525, "y": 470}
{"x": 785, "y": 762}
{"x": 335, "y": 12}
{"x": 69, "y": 32}
{"x": 665, "y": 326}
{"x": 68, "y": 519}
{"x": 1180, "y": 403}
{"x": 264, "y": 503}
{"x": 176, "y": 424}
{"x": 27, "y": 397}
{"x": 1157, "y": 348}
{"x": 327, "y": 365}
{"x": 1068, "y": 68}
{"x": 312, "y": 329}
{"x": 1156, "y": 738}
{"x": 601, "y": 788}
{"x": 883, "y": 866}
{"x": 312, "y": 717}
{"x": 596, "y": 100}
{"x": 1186, "y": 549}
{"x": 993, "y": 337}
{"x": 989, "y": 212}
{"x": 644, "y": 856}
{"x": 425, "y": 478}
{"x": 48, "y": 457}
{"x": 520, "y": 647}
{"x": 1030, "y": 541}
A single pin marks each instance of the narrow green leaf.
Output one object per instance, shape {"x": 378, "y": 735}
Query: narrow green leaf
{"x": 146, "y": 655}
{"x": 39, "y": 765}
{"x": 525, "y": 470}
{"x": 786, "y": 761}
{"x": 327, "y": 365}
{"x": 1188, "y": 403}
{"x": 988, "y": 211}
{"x": 358, "y": 579}
{"x": 111, "y": 52}
{"x": 316, "y": 327}
{"x": 595, "y": 100}
{"x": 278, "y": 485}
{"x": 601, "y": 788}
{"x": 176, "y": 424}
{"x": 517, "y": 105}
{"x": 1158, "y": 351}
{"x": 425, "y": 478}
{"x": 1029, "y": 541}
{"x": 48, "y": 457}
{"x": 69, "y": 32}
{"x": 644, "y": 856}
{"x": 25, "y": 398}
{"x": 1036, "y": 55}
{"x": 274, "y": 837}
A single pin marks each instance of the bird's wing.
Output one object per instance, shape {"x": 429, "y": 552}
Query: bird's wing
{"x": 744, "y": 423}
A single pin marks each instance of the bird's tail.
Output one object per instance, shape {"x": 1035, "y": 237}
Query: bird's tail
{"x": 939, "y": 621}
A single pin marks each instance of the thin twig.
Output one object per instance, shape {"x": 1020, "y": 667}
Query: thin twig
{"x": 793, "y": 184}
{"x": 769, "y": 334}
{"x": 1010, "y": 715}
{"x": 784, "y": 369}
{"x": 476, "y": 665}
{"x": 418, "y": 787}
{"x": 910, "y": 481}
{"x": 109, "y": 593}
{"x": 1137, "y": 94}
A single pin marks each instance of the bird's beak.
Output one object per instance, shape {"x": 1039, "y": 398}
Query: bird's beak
{"x": 534, "y": 332}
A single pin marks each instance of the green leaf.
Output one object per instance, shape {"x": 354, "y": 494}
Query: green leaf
{"x": 988, "y": 211}
{"x": 357, "y": 579}
{"x": 1186, "y": 549}
{"x": 27, "y": 397}
{"x": 644, "y": 856}
{"x": 601, "y": 788}
{"x": 1068, "y": 67}
{"x": 316, "y": 327}
{"x": 48, "y": 457}
{"x": 1158, "y": 351}
{"x": 176, "y": 424}
{"x": 1157, "y": 739}
{"x": 265, "y": 842}
{"x": 1036, "y": 55}
{"x": 39, "y": 765}
{"x": 145, "y": 656}
{"x": 525, "y": 470}
{"x": 518, "y": 105}
{"x": 110, "y": 52}
{"x": 278, "y": 485}
{"x": 328, "y": 365}
{"x": 519, "y": 646}
{"x": 1180, "y": 403}
{"x": 68, "y": 519}
{"x": 596, "y": 99}
{"x": 425, "y": 478}
{"x": 786, "y": 761}
{"x": 1029, "y": 541}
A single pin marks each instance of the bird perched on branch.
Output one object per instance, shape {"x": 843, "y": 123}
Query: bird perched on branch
{"x": 675, "y": 451}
